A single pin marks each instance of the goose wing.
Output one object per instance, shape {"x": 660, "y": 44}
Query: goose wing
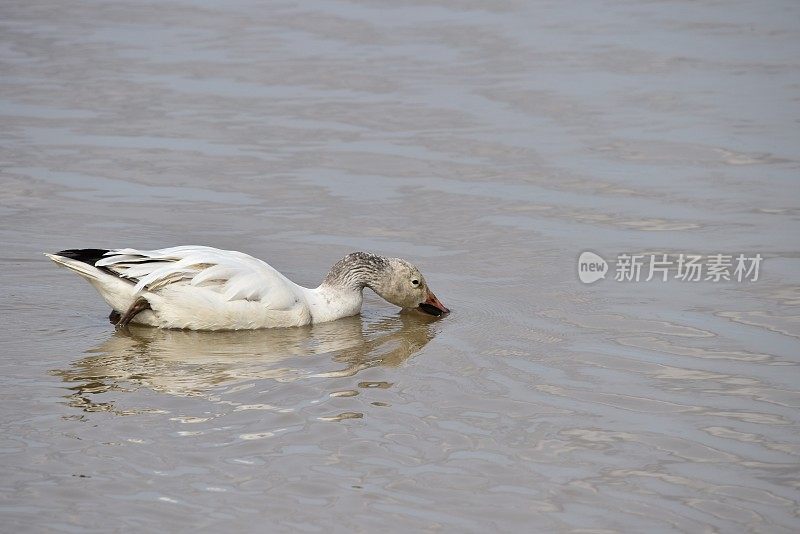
{"x": 234, "y": 275}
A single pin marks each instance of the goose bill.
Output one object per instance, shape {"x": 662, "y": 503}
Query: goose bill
{"x": 433, "y": 306}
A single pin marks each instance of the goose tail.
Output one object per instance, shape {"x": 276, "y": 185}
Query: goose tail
{"x": 117, "y": 292}
{"x": 81, "y": 261}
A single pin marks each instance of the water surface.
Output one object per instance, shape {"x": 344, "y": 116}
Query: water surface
{"x": 490, "y": 143}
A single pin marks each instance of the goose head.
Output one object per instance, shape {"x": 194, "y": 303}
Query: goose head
{"x": 401, "y": 284}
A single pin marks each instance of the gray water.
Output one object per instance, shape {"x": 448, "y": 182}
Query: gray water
{"x": 488, "y": 142}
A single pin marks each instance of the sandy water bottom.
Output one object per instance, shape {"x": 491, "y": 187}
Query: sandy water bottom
{"x": 490, "y": 145}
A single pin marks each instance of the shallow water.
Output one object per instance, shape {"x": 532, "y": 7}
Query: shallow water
{"x": 490, "y": 143}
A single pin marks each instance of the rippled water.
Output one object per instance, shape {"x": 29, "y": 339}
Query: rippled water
{"x": 489, "y": 142}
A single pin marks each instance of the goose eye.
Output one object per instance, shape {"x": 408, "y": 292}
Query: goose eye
{"x": 415, "y": 282}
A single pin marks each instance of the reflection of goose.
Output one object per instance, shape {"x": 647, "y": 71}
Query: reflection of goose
{"x": 184, "y": 362}
{"x": 204, "y": 288}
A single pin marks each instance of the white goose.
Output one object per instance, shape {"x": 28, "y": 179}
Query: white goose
{"x": 204, "y": 288}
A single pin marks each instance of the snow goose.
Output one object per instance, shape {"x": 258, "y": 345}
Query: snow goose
{"x": 204, "y": 288}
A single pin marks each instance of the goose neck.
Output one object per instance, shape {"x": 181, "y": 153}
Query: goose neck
{"x": 356, "y": 271}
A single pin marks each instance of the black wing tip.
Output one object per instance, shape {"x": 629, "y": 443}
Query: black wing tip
{"x": 86, "y": 255}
